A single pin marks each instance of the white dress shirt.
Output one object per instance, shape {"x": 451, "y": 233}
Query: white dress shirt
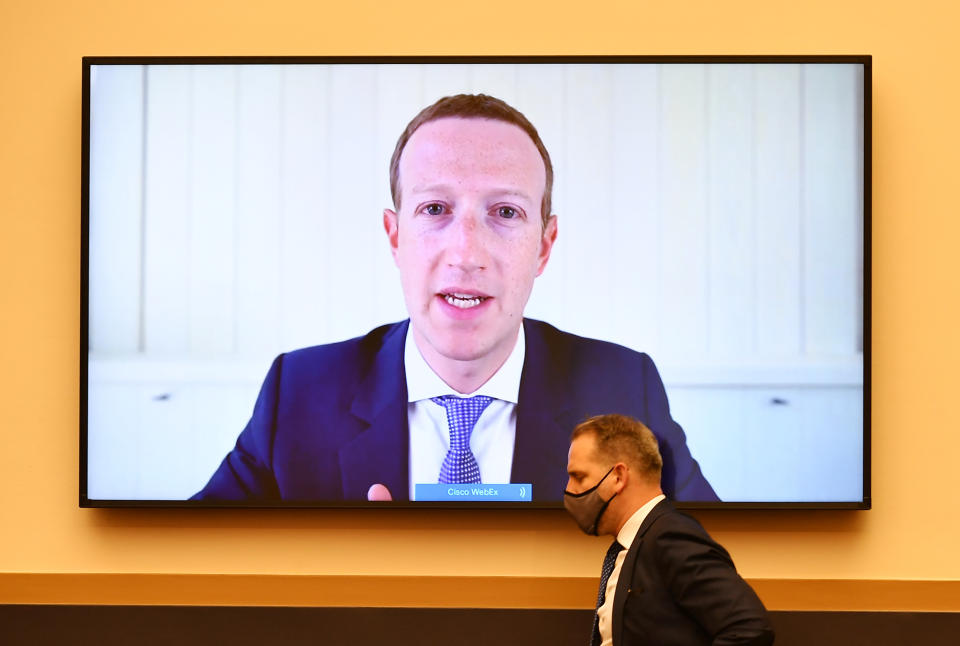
{"x": 625, "y": 537}
{"x": 493, "y": 436}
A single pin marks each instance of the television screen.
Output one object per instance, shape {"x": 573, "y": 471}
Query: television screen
{"x": 403, "y": 281}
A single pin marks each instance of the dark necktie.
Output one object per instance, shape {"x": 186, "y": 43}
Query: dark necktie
{"x": 608, "y": 563}
{"x": 460, "y": 466}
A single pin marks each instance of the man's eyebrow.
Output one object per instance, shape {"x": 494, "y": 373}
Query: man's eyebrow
{"x": 508, "y": 191}
{"x": 514, "y": 193}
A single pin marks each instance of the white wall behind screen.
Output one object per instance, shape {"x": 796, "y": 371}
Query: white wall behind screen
{"x": 710, "y": 215}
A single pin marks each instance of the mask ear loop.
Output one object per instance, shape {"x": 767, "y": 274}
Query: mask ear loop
{"x": 593, "y": 488}
{"x": 596, "y": 521}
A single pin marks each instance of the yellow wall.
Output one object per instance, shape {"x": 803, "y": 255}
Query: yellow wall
{"x": 912, "y": 532}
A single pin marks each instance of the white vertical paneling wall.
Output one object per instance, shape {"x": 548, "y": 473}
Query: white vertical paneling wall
{"x": 588, "y": 226}
{"x": 708, "y": 214}
{"x": 684, "y": 223}
{"x": 116, "y": 205}
{"x": 778, "y": 212}
{"x": 260, "y": 203}
{"x": 170, "y": 184}
{"x": 636, "y": 255}
{"x": 212, "y": 232}
{"x": 731, "y": 246}
{"x": 305, "y": 185}
{"x": 832, "y": 169}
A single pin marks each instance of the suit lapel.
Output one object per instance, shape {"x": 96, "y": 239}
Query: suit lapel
{"x": 379, "y": 454}
{"x": 544, "y": 419}
{"x": 625, "y": 582}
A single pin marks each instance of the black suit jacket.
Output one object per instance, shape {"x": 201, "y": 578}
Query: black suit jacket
{"x": 679, "y": 587}
{"x": 331, "y": 420}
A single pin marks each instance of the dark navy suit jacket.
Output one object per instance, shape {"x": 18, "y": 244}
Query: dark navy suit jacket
{"x": 679, "y": 587}
{"x": 331, "y": 420}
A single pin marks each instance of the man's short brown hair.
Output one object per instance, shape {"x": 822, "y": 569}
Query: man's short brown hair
{"x": 624, "y": 439}
{"x": 473, "y": 106}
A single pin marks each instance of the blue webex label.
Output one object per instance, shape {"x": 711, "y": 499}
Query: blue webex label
{"x": 501, "y": 492}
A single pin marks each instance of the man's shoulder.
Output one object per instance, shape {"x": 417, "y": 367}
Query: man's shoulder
{"x": 557, "y": 339}
{"x": 677, "y": 516}
{"x": 580, "y": 355}
{"x": 666, "y": 518}
{"x": 372, "y": 341}
{"x": 342, "y": 359}
{"x": 668, "y": 529}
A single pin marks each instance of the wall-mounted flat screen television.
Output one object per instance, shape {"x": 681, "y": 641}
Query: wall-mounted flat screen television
{"x": 401, "y": 282}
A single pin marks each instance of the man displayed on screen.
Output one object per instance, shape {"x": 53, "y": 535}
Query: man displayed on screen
{"x": 466, "y": 391}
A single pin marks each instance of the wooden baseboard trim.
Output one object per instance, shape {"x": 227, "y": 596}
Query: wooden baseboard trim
{"x": 859, "y": 595}
{"x": 297, "y": 590}
{"x": 438, "y": 591}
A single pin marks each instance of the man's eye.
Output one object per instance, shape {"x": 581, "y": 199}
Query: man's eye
{"x": 433, "y": 209}
{"x": 508, "y": 212}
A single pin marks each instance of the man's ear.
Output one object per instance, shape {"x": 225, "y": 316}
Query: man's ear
{"x": 621, "y": 474}
{"x": 391, "y": 226}
{"x": 547, "y": 238}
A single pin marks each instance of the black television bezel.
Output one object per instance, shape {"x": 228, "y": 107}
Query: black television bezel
{"x": 89, "y": 61}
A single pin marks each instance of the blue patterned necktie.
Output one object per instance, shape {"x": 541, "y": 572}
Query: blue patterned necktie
{"x": 460, "y": 466}
{"x": 608, "y": 563}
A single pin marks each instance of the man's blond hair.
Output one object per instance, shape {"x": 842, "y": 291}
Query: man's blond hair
{"x": 620, "y": 438}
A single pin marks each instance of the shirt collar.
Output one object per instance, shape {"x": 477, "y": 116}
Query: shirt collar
{"x": 630, "y": 528}
{"x": 423, "y": 382}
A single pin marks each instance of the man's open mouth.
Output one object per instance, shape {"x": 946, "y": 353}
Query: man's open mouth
{"x": 464, "y": 301}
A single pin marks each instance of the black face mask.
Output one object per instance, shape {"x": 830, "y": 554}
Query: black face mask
{"x": 587, "y": 507}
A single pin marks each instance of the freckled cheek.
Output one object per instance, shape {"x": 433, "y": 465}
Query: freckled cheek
{"x": 520, "y": 275}
{"x": 419, "y": 257}
{"x": 417, "y": 278}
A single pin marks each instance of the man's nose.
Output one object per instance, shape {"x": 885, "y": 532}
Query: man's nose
{"x": 466, "y": 243}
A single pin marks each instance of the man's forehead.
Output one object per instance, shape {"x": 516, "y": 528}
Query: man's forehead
{"x": 454, "y": 125}
{"x": 582, "y": 449}
{"x": 455, "y": 136}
